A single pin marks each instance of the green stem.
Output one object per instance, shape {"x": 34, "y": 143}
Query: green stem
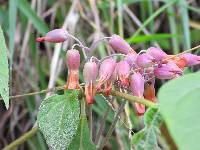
{"x": 131, "y": 98}
{"x": 21, "y": 139}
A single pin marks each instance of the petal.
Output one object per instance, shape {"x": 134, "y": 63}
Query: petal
{"x": 90, "y": 91}
{"x": 140, "y": 108}
{"x": 149, "y": 92}
{"x": 73, "y": 80}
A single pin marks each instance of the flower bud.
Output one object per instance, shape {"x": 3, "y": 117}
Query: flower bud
{"x": 54, "y": 36}
{"x": 145, "y": 60}
{"x": 131, "y": 59}
{"x": 106, "y": 70}
{"x": 156, "y": 53}
{"x": 137, "y": 88}
{"x": 90, "y": 74}
{"x": 191, "y": 59}
{"x": 168, "y": 71}
{"x": 73, "y": 63}
{"x": 123, "y": 70}
{"x": 120, "y": 45}
{"x": 73, "y": 59}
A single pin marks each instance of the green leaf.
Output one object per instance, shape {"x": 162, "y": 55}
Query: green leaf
{"x": 26, "y": 9}
{"x": 82, "y": 140}
{"x": 146, "y": 138}
{"x": 138, "y": 136}
{"x": 150, "y": 37}
{"x": 58, "y": 119}
{"x": 152, "y": 118}
{"x": 4, "y": 72}
{"x": 179, "y": 106}
{"x": 12, "y": 27}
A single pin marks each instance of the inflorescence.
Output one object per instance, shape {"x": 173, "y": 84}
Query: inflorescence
{"x": 135, "y": 72}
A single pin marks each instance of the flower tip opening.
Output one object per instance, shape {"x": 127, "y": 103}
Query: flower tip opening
{"x": 40, "y": 39}
{"x": 90, "y": 73}
{"x": 90, "y": 100}
{"x": 140, "y": 109}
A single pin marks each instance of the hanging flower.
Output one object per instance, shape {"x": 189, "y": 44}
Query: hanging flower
{"x": 90, "y": 74}
{"x": 54, "y": 36}
{"x": 145, "y": 60}
{"x": 73, "y": 63}
{"x": 156, "y": 53}
{"x": 120, "y": 45}
{"x": 168, "y": 71}
{"x": 131, "y": 60}
{"x": 137, "y": 89}
{"x": 123, "y": 70}
{"x": 105, "y": 73}
{"x": 191, "y": 59}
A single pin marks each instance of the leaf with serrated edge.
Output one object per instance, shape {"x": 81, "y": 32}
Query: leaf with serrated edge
{"x": 58, "y": 119}
{"x": 4, "y": 72}
{"x": 179, "y": 105}
{"x": 82, "y": 140}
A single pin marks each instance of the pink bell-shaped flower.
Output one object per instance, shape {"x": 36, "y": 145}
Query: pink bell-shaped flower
{"x": 156, "y": 53}
{"x": 54, "y": 36}
{"x": 123, "y": 71}
{"x": 106, "y": 70}
{"x": 131, "y": 60}
{"x": 90, "y": 74}
{"x": 191, "y": 59}
{"x": 168, "y": 71}
{"x": 120, "y": 45}
{"x": 145, "y": 60}
{"x": 137, "y": 88}
{"x": 73, "y": 63}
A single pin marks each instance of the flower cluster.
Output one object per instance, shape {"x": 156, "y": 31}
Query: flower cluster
{"x": 134, "y": 73}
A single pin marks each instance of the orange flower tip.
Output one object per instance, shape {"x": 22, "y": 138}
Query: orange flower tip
{"x": 140, "y": 109}
{"x": 125, "y": 81}
{"x": 139, "y": 114}
{"x": 107, "y": 92}
{"x": 90, "y": 100}
{"x": 98, "y": 87}
{"x": 73, "y": 80}
{"x": 72, "y": 87}
{"x": 41, "y": 39}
